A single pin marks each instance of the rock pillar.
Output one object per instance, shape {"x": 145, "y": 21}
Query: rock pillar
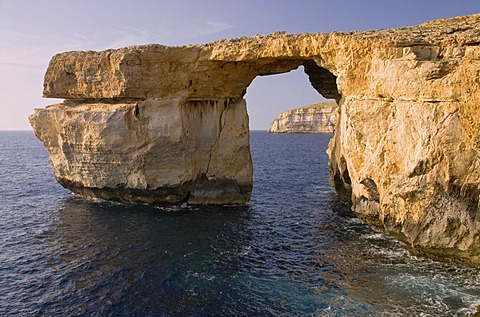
{"x": 151, "y": 151}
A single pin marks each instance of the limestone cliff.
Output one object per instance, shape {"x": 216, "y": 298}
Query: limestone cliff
{"x": 154, "y": 123}
{"x": 150, "y": 151}
{"x": 316, "y": 118}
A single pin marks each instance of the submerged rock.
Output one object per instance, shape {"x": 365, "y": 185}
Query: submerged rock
{"x": 153, "y": 123}
{"x": 316, "y": 118}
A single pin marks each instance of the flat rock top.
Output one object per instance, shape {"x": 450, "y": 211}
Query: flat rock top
{"x": 201, "y": 71}
{"x": 457, "y": 31}
{"x": 318, "y": 106}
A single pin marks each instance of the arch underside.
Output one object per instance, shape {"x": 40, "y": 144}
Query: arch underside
{"x": 321, "y": 79}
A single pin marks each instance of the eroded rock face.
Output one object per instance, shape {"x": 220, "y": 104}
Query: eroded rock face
{"x": 152, "y": 151}
{"x": 152, "y": 122}
{"x": 316, "y": 118}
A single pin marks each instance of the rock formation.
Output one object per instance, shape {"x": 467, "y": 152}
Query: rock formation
{"x": 315, "y": 118}
{"x": 154, "y": 123}
{"x": 150, "y": 151}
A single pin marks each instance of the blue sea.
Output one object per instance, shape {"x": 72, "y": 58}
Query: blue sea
{"x": 295, "y": 250}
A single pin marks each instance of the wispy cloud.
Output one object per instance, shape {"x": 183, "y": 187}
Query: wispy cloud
{"x": 25, "y": 54}
{"x": 127, "y": 37}
{"x": 208, "y": 27}
{"x": 22, "y": 49}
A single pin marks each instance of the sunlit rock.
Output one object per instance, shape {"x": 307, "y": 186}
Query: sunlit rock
{"x": 316, "y": 118}
{"x": 152, "y": 151}
{"x": 152, "y": 123}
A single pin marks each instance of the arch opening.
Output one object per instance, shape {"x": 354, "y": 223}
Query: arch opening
{"x": 197, "y": 125}
{"x": 324, "y": 85}
{"x": 321, "y": 79}
{"x": 283, "y": 92}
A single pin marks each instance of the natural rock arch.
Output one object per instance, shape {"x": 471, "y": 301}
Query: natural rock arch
{"x": 160, "y": 124}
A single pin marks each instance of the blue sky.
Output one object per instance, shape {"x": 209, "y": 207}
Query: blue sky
{"x": 31, "y": 31}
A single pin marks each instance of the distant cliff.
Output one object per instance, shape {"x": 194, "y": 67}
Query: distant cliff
{"x": 316, "y": 118}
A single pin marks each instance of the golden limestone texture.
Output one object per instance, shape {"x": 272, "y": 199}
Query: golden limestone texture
{"x": 315, "y": 118}
{"x": 151, "y": 151}
{"x": 165, "y": 124}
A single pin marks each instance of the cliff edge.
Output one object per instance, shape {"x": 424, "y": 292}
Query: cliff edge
{"x": 315, "y": 118}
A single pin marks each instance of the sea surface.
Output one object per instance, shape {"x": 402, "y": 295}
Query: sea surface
{"x": 294, "y": 251}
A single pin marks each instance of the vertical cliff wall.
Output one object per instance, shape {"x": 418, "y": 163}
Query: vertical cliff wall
{"x": 151, "y": 151}
{"x": 316, "y": 118}
{"x": 153, "y": 123}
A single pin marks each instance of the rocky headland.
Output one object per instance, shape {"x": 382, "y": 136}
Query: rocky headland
{"x": 159, "y": 124}
{"x": 315, "y": 118}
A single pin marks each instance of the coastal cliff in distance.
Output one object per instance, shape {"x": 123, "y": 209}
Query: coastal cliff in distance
{"x": 161, "y": 124}
{"x": 315, "y": 118}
